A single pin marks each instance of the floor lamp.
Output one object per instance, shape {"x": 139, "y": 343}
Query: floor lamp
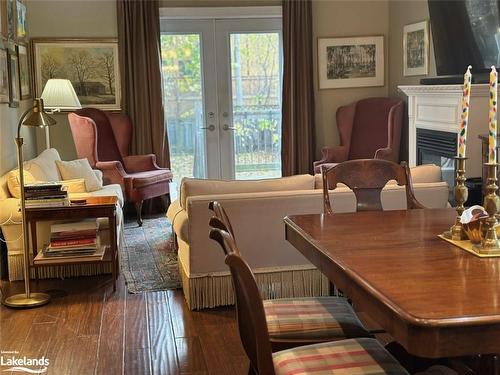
{"x": 58, "y": 94}
{"x": 35, "y": 116}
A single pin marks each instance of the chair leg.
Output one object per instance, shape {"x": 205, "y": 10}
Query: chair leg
{"x": 138, "y": 209}
{"x": 166, "y": 200}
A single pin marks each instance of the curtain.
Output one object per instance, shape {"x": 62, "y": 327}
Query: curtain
{"x": 141, "y": 80}
{"x": 297, "y": 148}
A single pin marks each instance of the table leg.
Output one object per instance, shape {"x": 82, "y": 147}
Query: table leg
{"x": 114, "y": 250}
{"x": 34, "y": 244}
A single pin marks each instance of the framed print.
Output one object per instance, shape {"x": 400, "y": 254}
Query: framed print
{"x": 13, "y": 65}
{"x": 90, "y": 64}
{"x": 351, "y": 62}
{"x": 4, "y": 76}
{"x": 24, "y": 72}
{"x": 11, "y": 19}
{"x": 4, "y": 31}
{"x": 416, "y": 49}
{"x": 20, "y": 20}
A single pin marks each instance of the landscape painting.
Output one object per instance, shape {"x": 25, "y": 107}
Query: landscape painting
{"x": 24, "y": 72}
{"x": 21, "y": 20}
{"x": 90, "y": 65}
{"x": 350, "y": 62}
{"x": 416, "y": 49}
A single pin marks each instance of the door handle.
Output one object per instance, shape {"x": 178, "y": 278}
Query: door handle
{"x": 227, "y": 127}
{"x": 210, "y": 127}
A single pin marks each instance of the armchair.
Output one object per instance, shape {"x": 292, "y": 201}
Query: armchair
{"x": 104, "y": 138}
{"x": 368, "y": 129}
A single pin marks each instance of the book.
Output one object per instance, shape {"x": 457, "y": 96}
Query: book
{"x": 73, "y": 235}
{"x": 73, "y": 242}
{"x": 41, "y": 258}
{"x": 49, "y": 200}
{"x": 48, "y": 204}
{"x": 43, "y": 186}
{"x": 84, "y": 225}
{"x": 45, "y": 194}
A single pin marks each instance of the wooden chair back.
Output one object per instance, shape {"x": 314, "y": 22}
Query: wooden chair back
{"x": 366, "y": 178}
{"x": 221, "y": 214}
{"x": 249, "y": 307}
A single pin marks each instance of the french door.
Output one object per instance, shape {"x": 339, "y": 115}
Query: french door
{"x": 222, "y": 94}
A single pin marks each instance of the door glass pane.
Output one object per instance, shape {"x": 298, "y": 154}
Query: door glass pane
{"x": 256, "y": 103}
{"x": 183, "y": 98}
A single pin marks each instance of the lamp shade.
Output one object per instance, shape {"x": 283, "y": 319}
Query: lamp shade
{"x": 60, "y": 94}
{"x": 37, "y": 116}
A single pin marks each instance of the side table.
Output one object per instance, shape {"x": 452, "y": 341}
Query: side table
{"x": 95, "y": 207}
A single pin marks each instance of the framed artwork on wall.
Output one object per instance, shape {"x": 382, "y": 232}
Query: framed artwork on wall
{"x": 4, "y": 76}
{"x": 351, "y": 62}
{"x": 90, "y": 64}
{"x": 24, "y": 72}
{"x": 11, "y": 19}
{"x": 21, "y": 32}
{"x": 4, "y": 27}
{"x": 13, "y": 64}
{"x": 416, "y": 49}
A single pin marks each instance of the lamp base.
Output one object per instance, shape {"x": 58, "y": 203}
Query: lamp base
{"x": 20, "y": 301}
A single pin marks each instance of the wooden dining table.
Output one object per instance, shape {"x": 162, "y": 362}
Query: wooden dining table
{"x": 432, "y": 297}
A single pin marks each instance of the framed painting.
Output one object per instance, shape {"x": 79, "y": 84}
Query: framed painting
{"x": 90, "y": 64}
{"x": 4, "y": 76}
{"x": 21, "y": 32}
{"x": 14, "y": 93}
{"x": 4, "y": 27}
{"x": 416, "y": 49}
{"x": 351, "y": 62}
{"x": 11, "y": 19}
{"x": 24, "y": 72}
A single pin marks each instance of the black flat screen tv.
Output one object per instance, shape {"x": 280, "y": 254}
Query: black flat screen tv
{"x": 465, "y": 32}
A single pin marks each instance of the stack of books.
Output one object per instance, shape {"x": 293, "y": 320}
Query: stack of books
{"x": 72, "y": 241}
{"x": 46, "y": 194}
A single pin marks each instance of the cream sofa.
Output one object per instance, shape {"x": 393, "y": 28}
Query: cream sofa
{"x": 43, "y": 168}
{"x": 256, "y": 210}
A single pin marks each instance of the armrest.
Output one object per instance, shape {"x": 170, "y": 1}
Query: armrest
{"x": 140, "y": 163}
{"x": 336, "y": 154}
{"x": 9, "y": 211}
{"x": 386, "y": 153}
{"x": 112, "y": 171}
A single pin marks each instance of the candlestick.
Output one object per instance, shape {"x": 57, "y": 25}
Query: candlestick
{"x": 490, "y": 243}
{"x": 457, "y": 232}
{"x": 492, "y": 117}
{"x": 464, "y": 118}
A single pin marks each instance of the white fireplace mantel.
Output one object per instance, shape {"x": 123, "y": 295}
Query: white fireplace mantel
{"x": 438, "y": 107}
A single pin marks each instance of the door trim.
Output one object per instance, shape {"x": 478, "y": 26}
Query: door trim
{"x": 220, "y": 12}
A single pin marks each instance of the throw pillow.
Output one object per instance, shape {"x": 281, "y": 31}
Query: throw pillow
{"x": 79, "y": 168}
{"x": 76, "y": 185}
{"x": 13, "y": 182}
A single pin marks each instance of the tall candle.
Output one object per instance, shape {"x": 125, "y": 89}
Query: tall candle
{"x": 464, "y": 118}
{"x": 492, "y": 117}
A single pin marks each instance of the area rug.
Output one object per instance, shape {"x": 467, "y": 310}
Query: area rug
{"x": 148, "y": 258}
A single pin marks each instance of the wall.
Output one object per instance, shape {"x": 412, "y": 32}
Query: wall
{"x": 69, "y": 19}
{"x": 338, "y": 19}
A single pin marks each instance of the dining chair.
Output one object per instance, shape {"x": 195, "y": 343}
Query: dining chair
{"x": 299, "y": 321}
{"x": 366, "y": 178}
{"x": 358, "y": 355}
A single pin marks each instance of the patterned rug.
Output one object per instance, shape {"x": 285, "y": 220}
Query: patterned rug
{"x": 148, "y": 259}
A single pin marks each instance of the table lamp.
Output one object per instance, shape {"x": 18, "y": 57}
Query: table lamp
{"x": 35, "y": 116}
{"x": 59, "y": 94}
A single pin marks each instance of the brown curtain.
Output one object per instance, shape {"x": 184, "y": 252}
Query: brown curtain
{"x": 141, "y": 80}
{"x": 297, "y": 153}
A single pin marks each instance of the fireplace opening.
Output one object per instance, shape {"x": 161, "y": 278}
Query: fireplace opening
{"x": 440, "y": 148}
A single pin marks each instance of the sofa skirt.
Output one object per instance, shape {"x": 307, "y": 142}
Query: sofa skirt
{"x": 208, "y": 291}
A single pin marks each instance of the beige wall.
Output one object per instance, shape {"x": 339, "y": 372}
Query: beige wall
{"x": 69, "y": 19}
{"x": 338, "y": 19}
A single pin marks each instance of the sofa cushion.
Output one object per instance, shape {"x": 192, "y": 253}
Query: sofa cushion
{"x": 79, "y": 168}
{"x": 194, "y": 187}
{"x": 43, "y": 167}
{"x": 14, "y": 184}
{"x": 146, "y": 178}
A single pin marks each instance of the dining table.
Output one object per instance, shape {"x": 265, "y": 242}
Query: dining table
{"x": 432, "y": 297}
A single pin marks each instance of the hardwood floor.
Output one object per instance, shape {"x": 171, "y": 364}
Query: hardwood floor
{"x": 91, "y": 330}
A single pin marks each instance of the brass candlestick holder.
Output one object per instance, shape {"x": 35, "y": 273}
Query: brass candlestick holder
{"x": 456, "y": 232}
{"x": 490, "y": 244}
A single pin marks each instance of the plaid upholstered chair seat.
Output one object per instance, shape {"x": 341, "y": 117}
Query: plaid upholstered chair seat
{"x": 312, "y": 318}
{"x": 354, "y": 356}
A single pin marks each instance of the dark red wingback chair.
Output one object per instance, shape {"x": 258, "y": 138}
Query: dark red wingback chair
{"x": 368, "y": 129}
{"x": 104, "y": 138}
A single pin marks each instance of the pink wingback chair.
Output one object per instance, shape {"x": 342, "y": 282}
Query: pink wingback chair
{"x": 368, "y": 129}
{"x": 104, "y": 138}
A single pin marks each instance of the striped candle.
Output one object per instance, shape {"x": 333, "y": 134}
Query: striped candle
{"x": 464, "y": 118}
{"x": 492, "y": 117}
